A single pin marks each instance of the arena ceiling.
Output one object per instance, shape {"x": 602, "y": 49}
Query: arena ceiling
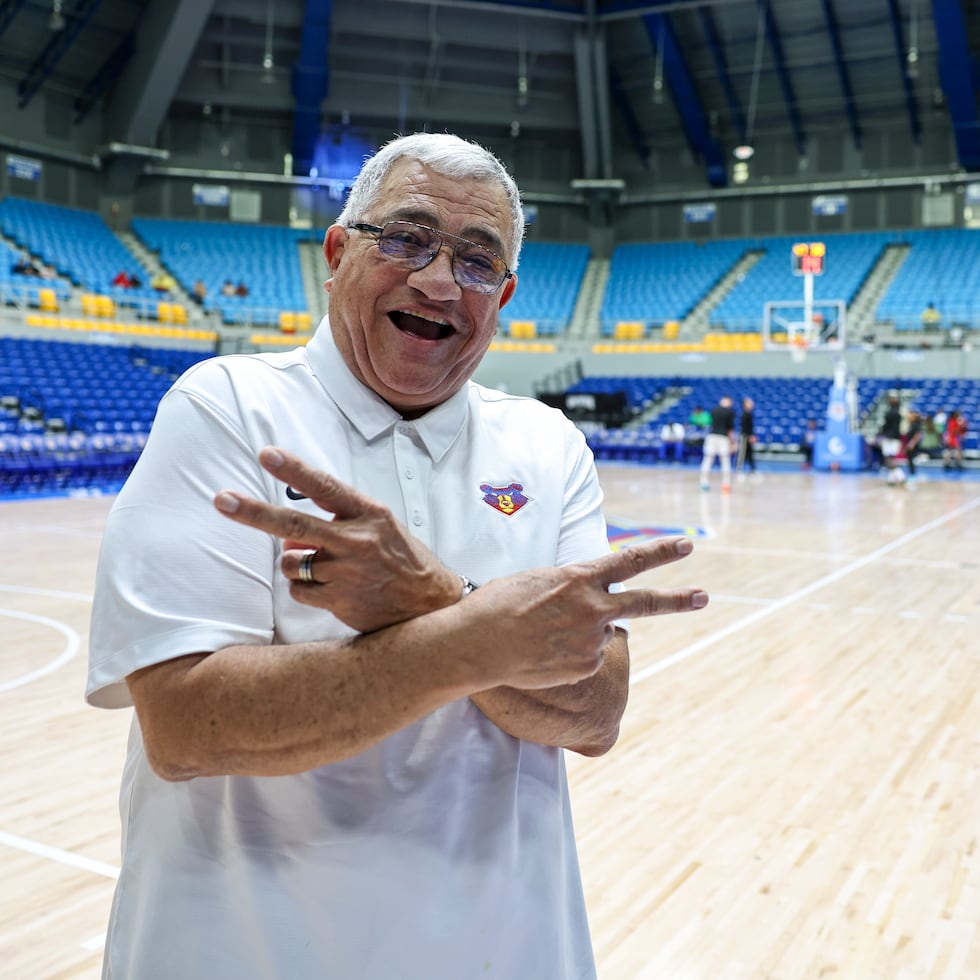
{"x": 607, "y": 76}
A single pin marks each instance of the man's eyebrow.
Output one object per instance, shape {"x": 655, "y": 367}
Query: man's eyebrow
{"x": 473, "y": 233}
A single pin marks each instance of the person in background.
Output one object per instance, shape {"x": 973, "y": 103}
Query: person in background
{"x": 199, "y": 291}
{"x": 227, "y": 288}
{"x": 931, "y": 442}
{"x": 719, "y": 444}
{"x": 808, "y": 443}
{"x": 362, "y": 607}
{"x": 747, "y": 438}
{"x": 956, "y": 429}
{"x": 890, "y": 433}
{"x": 931, "y": 317}
{"x": 911, "y": 442}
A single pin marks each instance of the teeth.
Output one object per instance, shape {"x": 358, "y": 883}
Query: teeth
{"x": 424, "y": 316}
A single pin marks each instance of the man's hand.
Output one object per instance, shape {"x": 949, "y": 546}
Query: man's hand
{"x": 551, "y": 626}
{"x": 368, "y": 570}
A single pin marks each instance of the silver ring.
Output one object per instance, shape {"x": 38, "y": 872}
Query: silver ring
{"x": 305, "y": 574}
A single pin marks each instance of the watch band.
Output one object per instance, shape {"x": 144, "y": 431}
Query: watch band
{"x": 468, "y": 587}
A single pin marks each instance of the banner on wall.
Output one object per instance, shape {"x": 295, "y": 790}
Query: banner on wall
{"x": 973, "y": 193}
{"x": 211, "y": 195}
{"x": 829, "y": 204}
{"x": 697, "y": 213}
{"x": 24, "y": 168}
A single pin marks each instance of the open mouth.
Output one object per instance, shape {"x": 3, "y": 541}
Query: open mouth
{"x": 420, "y": 327}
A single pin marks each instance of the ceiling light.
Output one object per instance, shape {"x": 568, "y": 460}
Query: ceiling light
{"x": 743, "y": 152}
{"x": 56, "y": 22}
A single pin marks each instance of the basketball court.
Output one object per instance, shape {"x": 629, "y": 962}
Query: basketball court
{"x": 795, "y": 793}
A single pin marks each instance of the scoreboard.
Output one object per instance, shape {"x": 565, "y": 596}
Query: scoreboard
{"x": 809, "y": 258}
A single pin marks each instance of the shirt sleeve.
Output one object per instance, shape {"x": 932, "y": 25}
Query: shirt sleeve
{"x": 175, "y": 576}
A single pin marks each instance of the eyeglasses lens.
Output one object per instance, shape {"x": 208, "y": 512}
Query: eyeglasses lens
{"x": 474, "y": 267}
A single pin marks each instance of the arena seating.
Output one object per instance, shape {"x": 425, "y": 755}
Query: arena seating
{"x": 657, "y": 283}
{"x": 78, "y": 244}
{"x": 550, "y": 279}
{"x": 942, "y": 267}
{"x": 77, "y": 415}
{"x": 263, "y": 257}
{"x": 850, "y": 259}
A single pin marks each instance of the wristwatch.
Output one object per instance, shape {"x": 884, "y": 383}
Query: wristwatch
{"x": 468, "y": 587}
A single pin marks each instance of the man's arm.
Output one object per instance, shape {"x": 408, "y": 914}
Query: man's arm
{"x": 282, "y": 709}
{"x": 583, "y": 716}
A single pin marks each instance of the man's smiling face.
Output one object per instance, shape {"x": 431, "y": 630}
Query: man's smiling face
{"x": 415, "y": 336}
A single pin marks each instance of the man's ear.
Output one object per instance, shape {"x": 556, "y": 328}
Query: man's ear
{"x": 334, "y": 243}
{"x": 505, "y": 294}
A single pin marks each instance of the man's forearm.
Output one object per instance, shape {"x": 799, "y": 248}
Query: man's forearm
{"x": 583, "y": 717}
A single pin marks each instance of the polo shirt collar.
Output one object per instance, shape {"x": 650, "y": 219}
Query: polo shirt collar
{"x": 370, "y": 414}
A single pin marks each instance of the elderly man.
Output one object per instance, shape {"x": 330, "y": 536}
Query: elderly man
{"x": 361, "y": 605}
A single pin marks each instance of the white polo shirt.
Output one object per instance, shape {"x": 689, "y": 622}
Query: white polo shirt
{"x": 445, "y": 852}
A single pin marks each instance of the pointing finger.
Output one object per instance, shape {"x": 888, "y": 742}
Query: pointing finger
{"x": 629, "y": 562}
{"x": 325, "y": 490}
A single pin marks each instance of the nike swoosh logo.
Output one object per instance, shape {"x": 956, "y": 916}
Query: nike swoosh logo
{"x": 295, "y": 494}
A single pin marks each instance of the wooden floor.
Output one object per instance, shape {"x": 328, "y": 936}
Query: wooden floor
{"x": 796, "y": 793}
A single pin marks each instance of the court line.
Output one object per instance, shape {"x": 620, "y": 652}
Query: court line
{"x": 57, "y": 854}
{"x": 53, "y": 593}
{"x": 74, "y": 644}
{"x": 707, "y": 641}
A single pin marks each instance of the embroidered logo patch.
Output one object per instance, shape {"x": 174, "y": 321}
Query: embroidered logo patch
{"x": 508, "y": 500}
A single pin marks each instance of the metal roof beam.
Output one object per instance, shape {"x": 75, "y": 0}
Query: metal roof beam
{"x": 910, "y": 105}
{"x": 310, "y": 82}
{"x": 76, "y": 21}
{"x": 845, "y": 79}
{"x": 9, "y": 9}
{"x": 622, "y": 103}
{"x": 686, "y": 98}
{"x": 956, "y": 76}
{"x": 785, "y": 83}
{"x": 721, "y": 66}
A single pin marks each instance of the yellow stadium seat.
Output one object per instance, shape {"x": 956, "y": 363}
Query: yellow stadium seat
{"x": 165, "y": 312}
{"x": 287, "y": 322}
{"x": 523, "y": 329}
{"x": 104, "y": 306}
{"x": 47, "y": 299}
{"x": 179, "y": 312}
{"x": 304, "y": 321}
{"x": 88, "y": 304}
{"x": 629, "y": 330}
{"x": 671, "y": 330}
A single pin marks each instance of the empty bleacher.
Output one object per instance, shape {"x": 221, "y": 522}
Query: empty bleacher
{"x": 78, "y": 245}
{"x": 653, "y": 284}
{"x": 942, "y": 267}
{"x": 77, "y": 415}
{"x": 550, "y": 277}
{"x": 263, "y": 257}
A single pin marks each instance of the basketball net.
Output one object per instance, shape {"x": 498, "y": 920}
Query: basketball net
{"x": 798, "y": 346}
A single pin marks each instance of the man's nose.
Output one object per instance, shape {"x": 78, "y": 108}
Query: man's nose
{"x": 436, "y": 279}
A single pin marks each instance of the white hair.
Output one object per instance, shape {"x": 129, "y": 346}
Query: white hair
{"x": 446, "y": 154}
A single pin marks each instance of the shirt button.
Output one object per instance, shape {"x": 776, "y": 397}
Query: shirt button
{"x": 409, "y": 472}
{"x": 404, "y": 428}
{"x": 417, "y": 519}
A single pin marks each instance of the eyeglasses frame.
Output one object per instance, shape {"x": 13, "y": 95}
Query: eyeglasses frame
{"x": 378, "y": 230}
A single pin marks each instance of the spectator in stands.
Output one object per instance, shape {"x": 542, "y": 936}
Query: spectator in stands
{"x": 347, "y": 759}
{"x": 241, "y": 289}
{"x": 747, "y": 438}
{"x": 890, "y": 433}
{"x": 163, "y": 282}
{"x": 700, "y": 418}
{"x": 956, "y": 429}
{"x": 808, "y": 443}
{"x": 26, "y": 267}
{"x": 200, "y": 291}
{"x": 227, "y": 288}
{"x": 931, "y": 317}
{"x": 123, "y": 280}
{"x": 719, "y": 444}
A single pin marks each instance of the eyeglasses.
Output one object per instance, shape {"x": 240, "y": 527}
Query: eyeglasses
{"x": 416, "y": 246}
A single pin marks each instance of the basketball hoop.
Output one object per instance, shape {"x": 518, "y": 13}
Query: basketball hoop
{"x": 798, "y": 347}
